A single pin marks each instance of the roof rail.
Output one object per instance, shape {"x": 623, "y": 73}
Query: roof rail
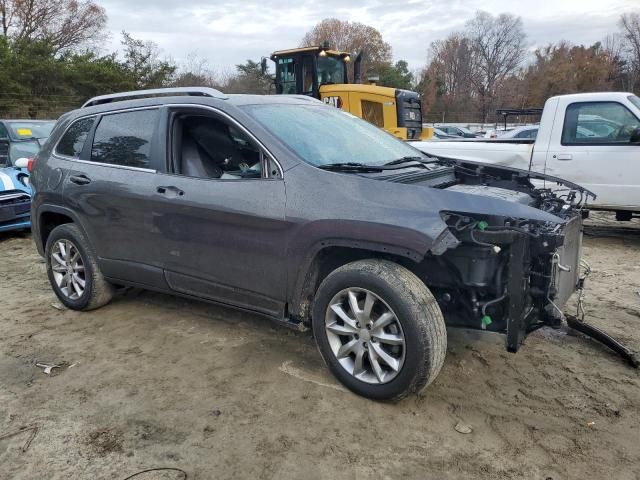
{"x": 155, "y": 92}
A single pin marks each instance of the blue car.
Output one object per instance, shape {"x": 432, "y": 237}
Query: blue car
{"x": 15, "y": 199}
{"x": 19, "y": 140}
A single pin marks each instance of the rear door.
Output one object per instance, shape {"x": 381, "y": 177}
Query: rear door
{"x": 111, "y": 186}
{"x": 590, "y": 146}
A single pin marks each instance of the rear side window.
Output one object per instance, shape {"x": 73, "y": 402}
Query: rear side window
{"x": 73, "y": 140}
{"x": 125, "y": 138}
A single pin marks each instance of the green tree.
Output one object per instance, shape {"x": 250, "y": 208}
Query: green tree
{"x": 397, "y": 76}
{"x": 249, "y": 79}
{"x": 143, "y": 63}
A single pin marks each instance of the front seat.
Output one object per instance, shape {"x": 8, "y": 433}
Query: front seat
{"x": 214, "y": 138}
{"x": 193, "y": 164}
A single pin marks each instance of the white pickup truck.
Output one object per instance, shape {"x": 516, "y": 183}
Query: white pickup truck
{"x": 591, "y": 139}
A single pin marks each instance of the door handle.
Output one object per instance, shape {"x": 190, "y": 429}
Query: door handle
{"x": 565, "y": 156}
{"x": 80, "y": 179}
{"x": 170, "y": 191}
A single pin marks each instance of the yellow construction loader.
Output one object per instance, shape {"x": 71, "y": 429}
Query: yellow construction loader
{"x": 322, "y": 73}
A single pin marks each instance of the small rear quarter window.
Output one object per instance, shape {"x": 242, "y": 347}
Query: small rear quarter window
{"x": 72, "y": 141}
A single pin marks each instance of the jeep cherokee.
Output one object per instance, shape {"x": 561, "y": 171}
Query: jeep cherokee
{"x": 289, "y": 208}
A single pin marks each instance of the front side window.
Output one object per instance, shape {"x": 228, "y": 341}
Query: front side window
{"x": 322, "y": 135}
{"x": 598, "y": 123}
{"x": 211, "y": 147}
{"x": 72, "y": 142}
{"x": 287, "y": 78}
{"x": 125, "y": 138}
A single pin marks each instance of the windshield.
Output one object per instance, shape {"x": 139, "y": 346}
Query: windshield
{"x": 27, "y": 149}
{"x": 330, "y": 70}
{"x": 21, "y": 130}
{"x": 324, "y": 135}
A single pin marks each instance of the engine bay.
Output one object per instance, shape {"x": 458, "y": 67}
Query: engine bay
{"x": 504, "y": 273}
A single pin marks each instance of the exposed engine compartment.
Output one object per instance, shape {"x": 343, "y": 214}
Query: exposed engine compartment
{"x": 504, "y": 273}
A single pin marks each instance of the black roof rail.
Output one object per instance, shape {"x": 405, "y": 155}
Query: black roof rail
{"x": 506, "y": 112}
{"x": 155, "y": 92}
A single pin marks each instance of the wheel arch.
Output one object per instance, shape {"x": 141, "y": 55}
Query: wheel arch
{"x": 48, "y": 218}
{"x": 327, "y": 256}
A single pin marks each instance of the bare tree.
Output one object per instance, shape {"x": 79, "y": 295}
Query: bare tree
{"x": 195, "y": 72}
{"x": 61, "y": 24}
{"x": 352, "y": 37}
{"x": 498, "y": 49}
{"x": 452, "y": 60}
{"x": 630, "y": 26}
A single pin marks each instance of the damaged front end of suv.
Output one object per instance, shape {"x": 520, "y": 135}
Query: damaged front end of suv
{"x": 506, "y": 273}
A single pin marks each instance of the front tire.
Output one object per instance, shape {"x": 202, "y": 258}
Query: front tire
{"x": 379, "y": 329}
{"x": 73, "y": 270}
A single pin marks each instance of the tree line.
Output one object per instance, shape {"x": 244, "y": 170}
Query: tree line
{"x": 486, "y": 66}
{"x": 51, "y": 61}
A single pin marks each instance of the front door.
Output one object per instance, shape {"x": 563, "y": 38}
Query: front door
{"x": 591, "y": 148}
{"x": 222, "y": 218}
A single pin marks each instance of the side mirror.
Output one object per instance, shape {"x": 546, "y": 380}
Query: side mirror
{"x": 635, "y": 136}
{"x": 21, "y": 163}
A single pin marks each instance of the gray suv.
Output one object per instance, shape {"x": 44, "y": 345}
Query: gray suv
{"x": 303, "y": 213}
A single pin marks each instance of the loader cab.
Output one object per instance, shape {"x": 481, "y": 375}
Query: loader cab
{"x": 321, "y": 73}
{"x": 302, "y": 71}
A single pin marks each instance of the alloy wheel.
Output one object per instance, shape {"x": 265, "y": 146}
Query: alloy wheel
{"x": 68, "y": 269}
{"x": 365, "y": 335}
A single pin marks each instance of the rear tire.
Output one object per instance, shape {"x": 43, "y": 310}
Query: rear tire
{"x": 395, "y": 350}
{"x": 73, "y": 270}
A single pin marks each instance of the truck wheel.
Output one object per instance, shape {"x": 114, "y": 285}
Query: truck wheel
{"x": 72, "y": 270}
{"x": 379, "y": 329}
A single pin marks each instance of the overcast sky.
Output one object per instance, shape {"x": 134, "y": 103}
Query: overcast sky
{"x": 225, "y": 32}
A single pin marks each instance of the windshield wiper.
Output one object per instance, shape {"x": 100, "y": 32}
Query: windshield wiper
{"x": 351, "y": 167}
{"x": 408, "y": 159}
{"x": 399, "y": 164}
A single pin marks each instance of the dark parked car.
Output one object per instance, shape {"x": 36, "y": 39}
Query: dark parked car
{"x": 306, "y": 214}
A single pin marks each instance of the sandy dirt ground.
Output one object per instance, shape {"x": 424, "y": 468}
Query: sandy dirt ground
{"x": 156, "y": 381}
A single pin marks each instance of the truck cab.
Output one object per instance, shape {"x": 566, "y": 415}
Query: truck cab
{"x": 321, "y": 73}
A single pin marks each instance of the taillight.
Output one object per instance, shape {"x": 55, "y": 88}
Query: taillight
{"x": 30, "y": 165}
